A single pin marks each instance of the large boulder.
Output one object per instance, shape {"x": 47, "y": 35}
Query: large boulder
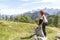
{"x": 39, "y": 34}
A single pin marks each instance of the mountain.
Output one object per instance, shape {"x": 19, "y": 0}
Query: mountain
{"x": 48, "y": 12}
{"x": 35, "y": 13}
{"x": 51, "y": 11}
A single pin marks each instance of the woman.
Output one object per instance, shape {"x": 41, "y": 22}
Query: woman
{"x": 43, "y": 21}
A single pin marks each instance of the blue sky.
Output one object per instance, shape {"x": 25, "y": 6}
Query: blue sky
{"x": 20, "y": 6}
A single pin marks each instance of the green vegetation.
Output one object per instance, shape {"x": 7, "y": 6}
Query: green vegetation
{"x": 24, "y": 18}
{"x": 52, "y": 21}
{"x": 10, "y": 30}
{"x": 57, "y": 21}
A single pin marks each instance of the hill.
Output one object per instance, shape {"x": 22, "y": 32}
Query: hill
{"x": 10, "y": 30}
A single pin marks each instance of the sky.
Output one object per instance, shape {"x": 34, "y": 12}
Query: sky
{"x": 10, "y": 7}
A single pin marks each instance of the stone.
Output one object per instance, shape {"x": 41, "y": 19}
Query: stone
{"x": 38, "y": 38}
{"x": 57, "y": 37}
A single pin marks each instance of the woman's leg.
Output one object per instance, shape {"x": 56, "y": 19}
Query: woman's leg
{"x": 44, "y": 29}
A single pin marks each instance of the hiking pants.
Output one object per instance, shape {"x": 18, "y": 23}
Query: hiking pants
{"x": 43, "y": 27}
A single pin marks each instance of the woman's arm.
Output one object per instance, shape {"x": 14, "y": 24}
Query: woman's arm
{"x": 41, "y": 21}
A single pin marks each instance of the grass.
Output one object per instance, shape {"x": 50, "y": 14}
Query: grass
{"x": 10, "y": 30}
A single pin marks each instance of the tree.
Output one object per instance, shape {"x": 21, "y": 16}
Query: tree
{"x": 37, "y": 20}
{"x": 6, "y": 17}
{"x": 11, "y": 17}
{"x": 24, "y": 18}
{"x": 57, "y": 20}
{"x": 50, "y": 21}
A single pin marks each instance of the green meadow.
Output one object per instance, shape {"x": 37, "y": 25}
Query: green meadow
{"x": 10, "y": 30}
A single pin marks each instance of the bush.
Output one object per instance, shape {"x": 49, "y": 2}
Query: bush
{"x": 36, "y": 20}
{"x": 50, "y": 21}
{"x": 57, "y": 21}
{"x": 24, "y": 18}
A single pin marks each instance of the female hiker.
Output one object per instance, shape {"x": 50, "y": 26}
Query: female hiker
{"x": 43, "y": 21}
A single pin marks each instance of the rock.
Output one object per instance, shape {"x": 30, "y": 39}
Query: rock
{"x": 57, "y": 37}
{"x": 38, "y": 38}
{"x": 39, "y": 32}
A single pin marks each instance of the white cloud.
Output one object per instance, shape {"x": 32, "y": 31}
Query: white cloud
{"x": 12, "y": 11}
{"x": 39, "y": 1}
{"x": 54, "y": 7}
{"x": 26, "y": 4}
{"x": 48, "y": 0}
{"x": 24, "y": 0}
{"x": 36, "y": 2}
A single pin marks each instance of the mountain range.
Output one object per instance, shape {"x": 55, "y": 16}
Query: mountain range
{"x": 48, "y": 12}
{"x": 35, "y": 13}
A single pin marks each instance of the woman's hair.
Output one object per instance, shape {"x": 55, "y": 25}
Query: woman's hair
{"x": 41, "y": 12}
